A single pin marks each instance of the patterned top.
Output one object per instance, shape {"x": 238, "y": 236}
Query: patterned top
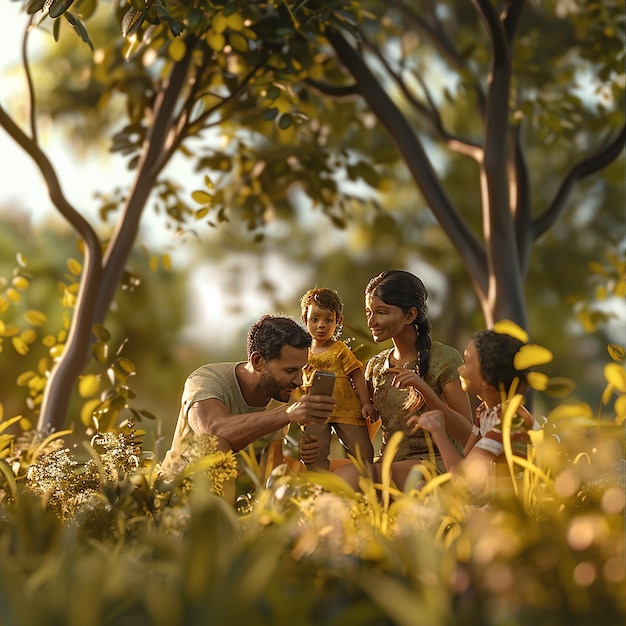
{"x": 389, "y": 401}
{"x": 340, "y": 360}
{"x": 489, "y": 422}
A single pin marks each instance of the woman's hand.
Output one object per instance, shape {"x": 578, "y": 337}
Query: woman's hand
{"x": 403, "y": 378}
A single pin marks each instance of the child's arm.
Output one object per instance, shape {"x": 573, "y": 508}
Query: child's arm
{"x": 360, "y": 384}
{"x": 434, "y": 423}
{"x": 473, "y": 438}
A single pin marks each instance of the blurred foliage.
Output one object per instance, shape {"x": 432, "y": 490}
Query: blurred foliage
{"x": 36, "y": 298}
{"x": 256, "y": 119}
{"x": 97, "y": 537}
{"x": 88, "y": 533}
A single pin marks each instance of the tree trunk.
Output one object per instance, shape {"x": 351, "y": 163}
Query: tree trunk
{"x": 101, "y": 277}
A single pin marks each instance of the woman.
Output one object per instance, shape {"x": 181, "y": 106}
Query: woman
{"x": 415, "y": 375}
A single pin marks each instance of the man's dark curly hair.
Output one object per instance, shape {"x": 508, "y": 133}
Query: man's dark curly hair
{"x": 496, "y": 352}
{"x": 270, "y": 333}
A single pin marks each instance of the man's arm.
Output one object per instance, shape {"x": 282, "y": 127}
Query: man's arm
{"x": 235, "y": 432}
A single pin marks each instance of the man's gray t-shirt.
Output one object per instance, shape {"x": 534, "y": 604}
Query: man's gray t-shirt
{"x": 214, "y": 380}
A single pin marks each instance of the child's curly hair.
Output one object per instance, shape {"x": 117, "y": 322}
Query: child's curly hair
{"x": 496, "y": 352}
{"x": 326, "y": 299}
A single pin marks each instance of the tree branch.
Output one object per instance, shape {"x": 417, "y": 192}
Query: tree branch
{"x": 127, "y": 225}
{"x": 430, "y": 112}
{"x": 587, "y": 166}
{"x": 513, "y": 17}
{"x": 506, "y": 294}
{"x": 73, "y": 360}
{"x": 494, "y": 26}
{"x": 76, "y": 220}
{"x": 522, "y": 205}
{"x": 184, "y": 123}
{"x": 416, "y": 158}
{"x": 337, "y": 92}
{"x": 30, "y": 90}
{"x": 442, "y": 43}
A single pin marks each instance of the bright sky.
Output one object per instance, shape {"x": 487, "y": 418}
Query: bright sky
{"x": 25, "y": 184}
{"x": 212, "y": 312}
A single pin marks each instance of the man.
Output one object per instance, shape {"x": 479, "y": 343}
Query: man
{"x": 229, "y": 400}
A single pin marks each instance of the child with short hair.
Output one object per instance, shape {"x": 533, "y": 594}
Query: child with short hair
{"x": 488, "y": 372}
{"x": 322, "y": 313}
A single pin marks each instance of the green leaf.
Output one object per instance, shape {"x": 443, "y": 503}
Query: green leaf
{"x": 270, "y": 114}
{"x": 34, "y": 6}
{"x": 131, "y": 21}
{"x": 100, "y": 352}
{"x": 9, "y": 479}
{"x": 617, "y": 353}
{"x": 79, "y": 27}
{"x": 101, "y": 333}
{"x": 177, "y": 49}
{"x": 559, "y": 387}
{"x": 202, "y": 197}
{"x": 58, "y": 7}
{"x": 285, "y": 121}
{"x": 56, "y": 29}
{"x": 126, "y": 366}
{"x": 531, "y": 355}
{"x": 272, "y": 92}
{"x": 238, "y": 42}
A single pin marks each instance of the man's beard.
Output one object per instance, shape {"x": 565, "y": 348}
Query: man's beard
{"x": 270, "y": 387}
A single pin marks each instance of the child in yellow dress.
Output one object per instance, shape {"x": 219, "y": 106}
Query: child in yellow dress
{"x": 322, "y": 313}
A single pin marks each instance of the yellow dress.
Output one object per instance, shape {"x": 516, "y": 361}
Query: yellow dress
{"x": 340, "y": 360}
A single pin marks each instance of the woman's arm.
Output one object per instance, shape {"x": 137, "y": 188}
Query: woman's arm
{"x": 456, "y": 409}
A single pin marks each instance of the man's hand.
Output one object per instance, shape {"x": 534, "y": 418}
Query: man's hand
{"x": 314, "y": 409}
{"x": 309, "y": 449}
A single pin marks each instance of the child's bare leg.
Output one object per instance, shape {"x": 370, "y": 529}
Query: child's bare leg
{"x": 354, "y": 437}
{"x": 323, "y": 434}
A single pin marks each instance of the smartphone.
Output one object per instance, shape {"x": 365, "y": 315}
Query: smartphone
{"x": 323, "y": 383}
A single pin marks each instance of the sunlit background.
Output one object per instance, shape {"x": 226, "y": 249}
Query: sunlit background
{"x": 221, "y": 284}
